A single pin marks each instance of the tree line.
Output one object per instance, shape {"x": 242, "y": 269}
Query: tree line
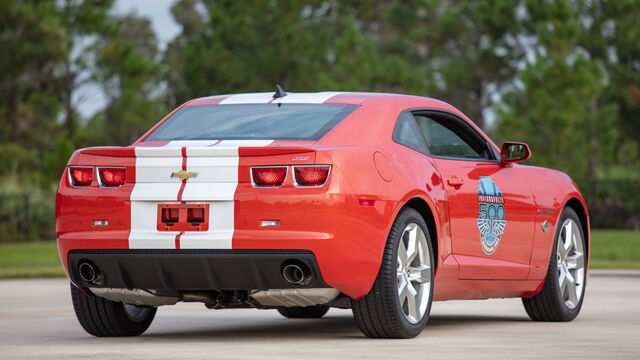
{"x": 562, "y": 75}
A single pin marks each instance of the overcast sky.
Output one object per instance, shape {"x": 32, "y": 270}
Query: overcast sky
{"x": 163, "y": 25}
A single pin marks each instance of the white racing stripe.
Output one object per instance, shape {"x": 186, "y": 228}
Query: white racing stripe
{"x": 253, "y": 98}
{"x": 153, "y": 185}
{"x": 291, "y": 98}
{"x": 217, "y": 180}
{"x": 216, "y": 165}
{"x": 306, "y": 98}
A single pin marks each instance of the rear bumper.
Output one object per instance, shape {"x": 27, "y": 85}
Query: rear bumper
{"x": 186, "y": 270}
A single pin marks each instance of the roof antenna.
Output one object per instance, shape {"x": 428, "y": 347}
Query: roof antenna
{"x": 279, "y": 92}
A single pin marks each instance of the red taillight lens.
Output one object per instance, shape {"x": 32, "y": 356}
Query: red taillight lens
{"x": 269, "y": 176}
{"x": 112, "y": 177}
{"x": 195, "y": 215}
{"x": 81, "y": 176}
{"x": 170, "y": 215}
{"x": 311, "y": 175}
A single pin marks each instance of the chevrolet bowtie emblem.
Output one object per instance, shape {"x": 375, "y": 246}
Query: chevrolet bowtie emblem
{"x": 183, "y": 175}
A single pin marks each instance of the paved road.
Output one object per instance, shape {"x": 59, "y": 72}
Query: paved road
{"x": 37, "y": 321}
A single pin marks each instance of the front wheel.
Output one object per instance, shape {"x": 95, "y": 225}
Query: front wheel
{"x": 102, "y": 317}
{"x": 563, "y": 292}
{"x": 398, "y": 304}
{"x": 306, "y": 312}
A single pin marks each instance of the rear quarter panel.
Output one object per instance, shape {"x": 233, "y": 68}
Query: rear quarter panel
{"x": 380, "y": 169}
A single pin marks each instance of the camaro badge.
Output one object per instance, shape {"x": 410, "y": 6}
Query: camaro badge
{"x": 491, "y": 217}
{"x": 183, "y": 175}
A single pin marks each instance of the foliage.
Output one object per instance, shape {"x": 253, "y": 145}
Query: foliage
{"x": 561, "y": 102}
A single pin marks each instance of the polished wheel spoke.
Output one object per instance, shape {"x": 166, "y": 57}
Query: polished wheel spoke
{"x": 420, "y": 274}
{"x": 413, "y": 273}
{"x": 575, "y": 262}
{"x": 572, "y": 293}
{"x": 412, "y": 246}
{"x": 412, "y": 306}
{"x": 402, "y": 289}
{"x": 562, "y": 279}
{"x": 571, "y": 264}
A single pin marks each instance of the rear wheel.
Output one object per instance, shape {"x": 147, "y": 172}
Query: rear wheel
{"x": 102, "y": 317}
{"x": 563, "y": 292}
{"x": 398, "y": 304}
{"x": 307, "y": 312}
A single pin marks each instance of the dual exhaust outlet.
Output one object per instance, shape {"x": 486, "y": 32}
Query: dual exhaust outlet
{"x": 294, "y": 272}
{"x": 89, "y": 272}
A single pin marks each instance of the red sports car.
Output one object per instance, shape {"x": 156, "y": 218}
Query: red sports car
{"x": 300, "y": 202}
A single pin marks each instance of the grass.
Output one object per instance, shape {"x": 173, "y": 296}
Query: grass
{"x": 32, "y": 259}
{"x": 615, "y": 249}
{"x": 610, "y": 249}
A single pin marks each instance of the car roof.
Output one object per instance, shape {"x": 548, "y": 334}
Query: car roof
{"x": 333, "y": 97}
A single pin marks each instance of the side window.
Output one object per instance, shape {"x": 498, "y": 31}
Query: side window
{"x": 406, "y": 132}
{"x": 446, "y": 137}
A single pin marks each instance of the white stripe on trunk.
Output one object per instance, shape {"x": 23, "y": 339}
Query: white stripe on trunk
{"x": 216, "y": 184}
{"x": 216, "y": 165}
{"x": 154, "y": 184}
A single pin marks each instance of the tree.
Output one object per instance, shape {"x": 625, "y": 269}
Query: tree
{"x": 232, "y": 46}
{"x": 576, "y": 98}
{"x": 128, "y": 69}
{"x": 83, "y": 21}
{"x": 611, "y": 34}
{"x": 465, "y": 52}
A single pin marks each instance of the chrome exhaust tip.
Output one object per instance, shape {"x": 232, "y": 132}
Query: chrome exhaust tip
{"x": 296, "y": 273}
{"x": 89, "y": 272}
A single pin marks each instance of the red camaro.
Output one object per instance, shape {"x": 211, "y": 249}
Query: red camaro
{"x": 299, "y": 202}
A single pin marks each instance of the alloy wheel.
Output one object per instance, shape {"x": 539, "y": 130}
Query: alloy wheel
{"x": 571, "y": 264}
{"x": 414, "y": 273}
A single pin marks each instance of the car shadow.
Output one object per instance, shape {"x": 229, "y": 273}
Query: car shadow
{"x": 329, "y": 327}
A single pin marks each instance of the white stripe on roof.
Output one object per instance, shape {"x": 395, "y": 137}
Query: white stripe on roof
{"x": 291, "y": 98}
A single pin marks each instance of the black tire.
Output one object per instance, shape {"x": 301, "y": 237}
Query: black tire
{"x": 307, "y": 312}
{"x": 549, "y": 303}
{"x": 101, "y": 317}
{"x": 379, "y": 314}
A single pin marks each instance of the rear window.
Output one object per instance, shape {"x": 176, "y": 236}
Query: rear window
{"x": 252, "y": 121}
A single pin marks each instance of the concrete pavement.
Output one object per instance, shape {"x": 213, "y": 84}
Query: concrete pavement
{"x": 37, "y": 321}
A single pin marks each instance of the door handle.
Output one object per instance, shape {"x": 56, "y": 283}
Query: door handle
{"x": 455, "y": 181}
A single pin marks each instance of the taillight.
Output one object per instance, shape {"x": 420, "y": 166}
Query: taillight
{"x": 111, "y": 177}
{"x": 311, "y": 175}
{"x": 268, "y": 176}
{"x": 81, "y": 176}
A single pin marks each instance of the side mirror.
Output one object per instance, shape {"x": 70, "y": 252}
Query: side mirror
{"x": 514, "y": 151}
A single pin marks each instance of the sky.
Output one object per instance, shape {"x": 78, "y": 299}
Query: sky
{"x": 163, "y": 25}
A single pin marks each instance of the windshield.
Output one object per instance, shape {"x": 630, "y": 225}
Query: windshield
{"x": 252, "y": 121}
